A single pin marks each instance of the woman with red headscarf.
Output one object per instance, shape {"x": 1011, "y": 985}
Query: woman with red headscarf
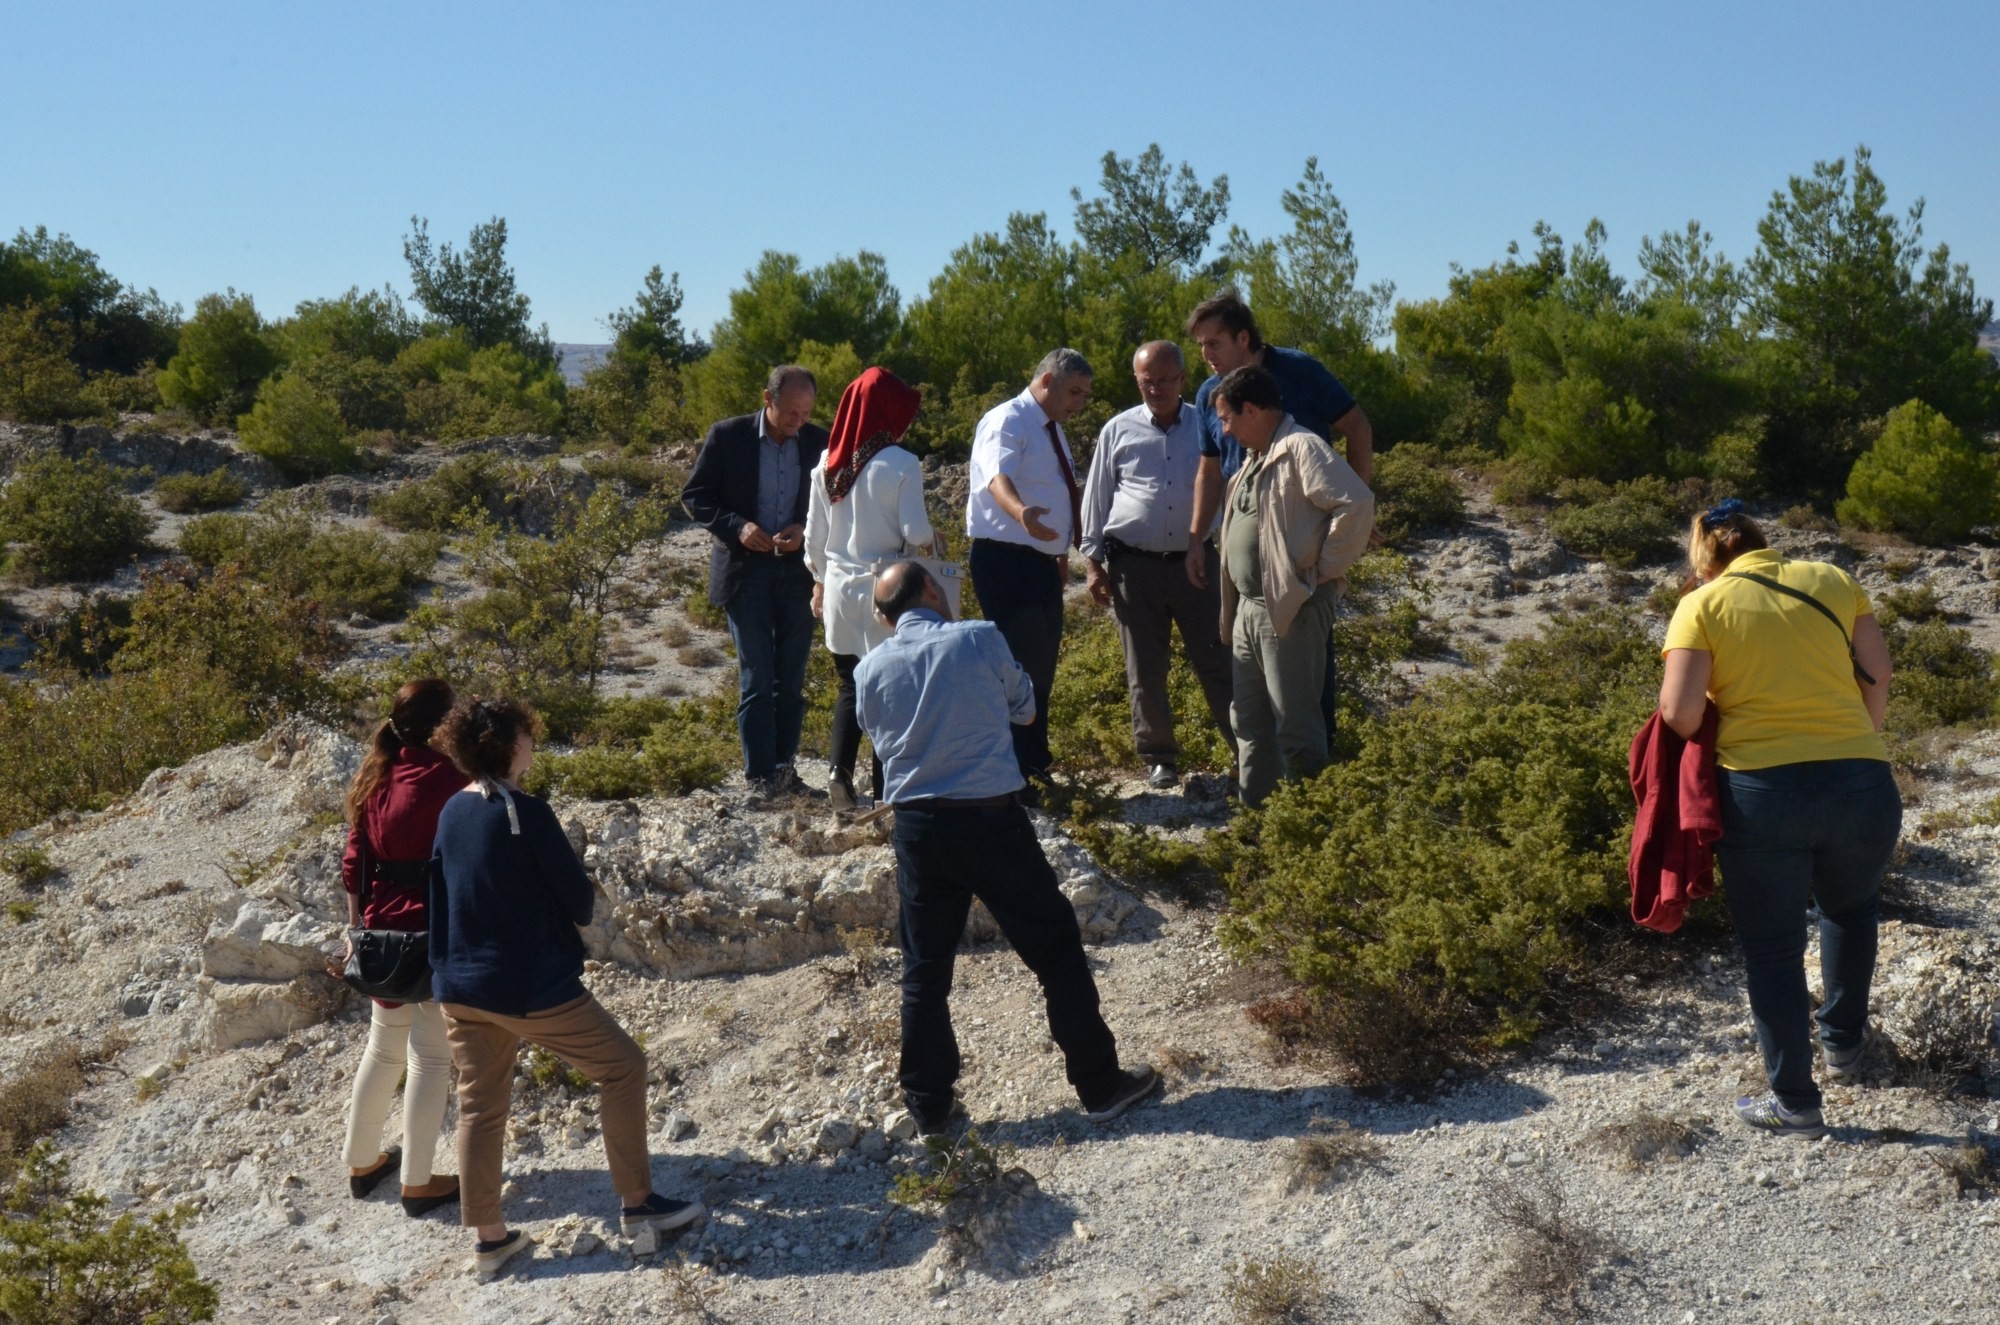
{"x": 867, "y": 505}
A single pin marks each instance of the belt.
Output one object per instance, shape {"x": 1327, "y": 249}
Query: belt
{"x": 1021, "y": 547}
{"x": 408, "y": 873}
{"x": 959, "y": 803}
{"x": 1118, "y": 547}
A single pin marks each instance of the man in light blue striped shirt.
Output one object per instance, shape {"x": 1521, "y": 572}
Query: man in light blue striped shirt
{"x": 938, "y": 699}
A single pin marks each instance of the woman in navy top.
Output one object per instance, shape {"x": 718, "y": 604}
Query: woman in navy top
{"x": 507, "y": 895}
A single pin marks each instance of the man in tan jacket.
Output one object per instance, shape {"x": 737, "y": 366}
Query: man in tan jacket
{"x": 1294, "y": 519}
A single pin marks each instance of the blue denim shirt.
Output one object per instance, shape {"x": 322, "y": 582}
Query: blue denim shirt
{"x": 1310, "y": 393}
{"x": 938, "y": 699}
{"x": 777, "y": 478}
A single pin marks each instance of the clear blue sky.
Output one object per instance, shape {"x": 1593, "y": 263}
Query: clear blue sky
{"x": 282, "y": 147}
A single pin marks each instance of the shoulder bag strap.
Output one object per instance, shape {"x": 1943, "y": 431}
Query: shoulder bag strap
{"x": 1825, "y": 611}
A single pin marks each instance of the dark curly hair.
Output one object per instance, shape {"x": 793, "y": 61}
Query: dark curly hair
{"x": 479, "y": 735}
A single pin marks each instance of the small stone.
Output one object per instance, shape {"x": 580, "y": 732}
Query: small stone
{"x": 835, "y": 1135}
{"x": 899, "y": 1125}
{"x": 586, "y": 1244}
{"x": 677, "y": 1125}
{"x": 646, "y": 1243}
{"x": 575, "y": 1135}
{"x": 1517, "y": 1158}
{"x": 766, "y": 1125}
{"x": 1082, "y": 1231}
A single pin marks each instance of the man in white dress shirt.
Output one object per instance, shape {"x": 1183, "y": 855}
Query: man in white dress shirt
{"x": 1022, "y": 515}
{"x": 1136, "y": 511}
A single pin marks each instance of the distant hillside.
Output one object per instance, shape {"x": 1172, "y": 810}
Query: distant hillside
{"x": 1989, "y": 339}
{"x": 580, "y": 359}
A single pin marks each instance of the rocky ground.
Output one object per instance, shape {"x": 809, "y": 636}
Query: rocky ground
{"x": 190, "y": 921}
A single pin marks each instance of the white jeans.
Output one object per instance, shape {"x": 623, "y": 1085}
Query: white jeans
{"x": 412, "y": 1031}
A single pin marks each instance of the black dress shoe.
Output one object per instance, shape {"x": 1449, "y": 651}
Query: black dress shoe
{"x": 418, "y": 1206}
{"x": 360, "y": 1184}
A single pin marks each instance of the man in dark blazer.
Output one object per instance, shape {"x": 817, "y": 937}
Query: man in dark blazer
{"x": 749, "y": 490}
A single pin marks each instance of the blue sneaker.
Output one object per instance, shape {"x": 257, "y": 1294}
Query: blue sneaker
{"x": 1764, "y": 1113}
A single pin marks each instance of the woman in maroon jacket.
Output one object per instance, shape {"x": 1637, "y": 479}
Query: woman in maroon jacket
{"x": 392, "y": 815}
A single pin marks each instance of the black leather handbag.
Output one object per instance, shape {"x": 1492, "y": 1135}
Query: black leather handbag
{"x": 393, "y": 965}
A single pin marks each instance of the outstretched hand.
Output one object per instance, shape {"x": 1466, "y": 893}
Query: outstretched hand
{"x": 1031, "y": 520}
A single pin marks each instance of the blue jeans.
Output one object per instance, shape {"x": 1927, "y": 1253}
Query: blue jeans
{"x": 1820, "y": 832}
{"x": 771, "y": 622}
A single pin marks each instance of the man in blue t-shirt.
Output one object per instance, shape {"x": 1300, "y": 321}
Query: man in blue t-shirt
{"x": 1226, "y": 333}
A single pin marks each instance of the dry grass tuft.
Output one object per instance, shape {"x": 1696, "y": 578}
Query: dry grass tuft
{"x": 1325, "y": 1156}
{"x": 1943, "y": 1048}
{"x": 1184, "y": 1064}
{"x": 36, "y": 1100}
{"x": 1551, "y": 1251}
{"x": 1647, "y": 1137}
{"x": 1282, "y": 1291}
{"x": 1972, "y": 1167}
{"x": 691, "y": 1291}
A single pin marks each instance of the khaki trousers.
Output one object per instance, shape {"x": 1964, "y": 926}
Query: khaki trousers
{"x": 1276, "y": 680}
{"x": 582, "y": 1034}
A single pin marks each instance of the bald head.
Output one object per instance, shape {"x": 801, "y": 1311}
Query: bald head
{"x": 1161, "y": 373}
{"x": 903, "y": 586}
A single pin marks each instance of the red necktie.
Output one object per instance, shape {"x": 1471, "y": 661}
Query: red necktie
{"x": 1069, "y": 481}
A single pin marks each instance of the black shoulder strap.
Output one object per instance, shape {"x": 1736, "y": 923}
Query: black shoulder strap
{"x": 1817, "y": 606}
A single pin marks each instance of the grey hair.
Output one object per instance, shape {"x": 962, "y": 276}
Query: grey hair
{"x": 1063, "y": 364}
{"x": 788, "y": 375}
{"x": 1161, "y": 349}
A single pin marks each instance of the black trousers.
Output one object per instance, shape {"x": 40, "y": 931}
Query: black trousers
{"x": 944, "y": 858}
{"x": 846, "y": 738}
{"x": 1021, "y": 592}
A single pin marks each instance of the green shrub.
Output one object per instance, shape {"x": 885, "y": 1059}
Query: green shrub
{"x": 595, "y": 773}
{"x": 81, "y": 745}
{"x": 686, "y": 745}
{"x": 187, "y": 494}
{"x": 462, "y": 488}
{"x": 1631, "y": 523}
{"x": 1456, "y": 858}
{"x": 639, "y": 474}
{"x": 1922, "y": 478}
{"x": 30, "y": 866}
{"x": 224, "y": 354}
{"x": 38, "y": 381}
{"x": 63, "y": 1262}
{"x": 1090, "y": 708}
{"x": 111, "y": 394}
{"x": 1414, "y": 489}
{"x": 297, "y": 427}
{"x": 1910, "y": 605}
{"x": 633, "y": 402}
{"x": 1942, "y": 679}
{"x": 271, "y": 652}
{"x": 73, "y": 518}
{"x": 290, "y": 547}
{"x": 540, "y": 627}
{"x": 457, "y": 393}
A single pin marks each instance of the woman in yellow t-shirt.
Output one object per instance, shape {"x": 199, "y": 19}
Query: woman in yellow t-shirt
{"x": 1793, "y": 658}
